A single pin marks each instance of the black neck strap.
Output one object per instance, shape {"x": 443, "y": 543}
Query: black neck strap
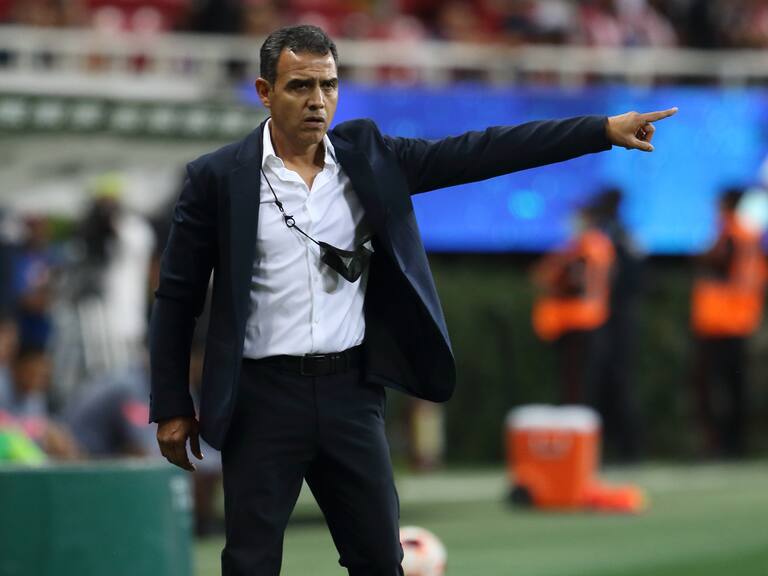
{"x": 290, "y": 221}
{"x": 287, "y": 218}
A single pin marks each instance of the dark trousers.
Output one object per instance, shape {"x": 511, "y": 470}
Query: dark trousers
{"x": 720, "y": 388}
{"x": 575, "y": 365}
{"x": 328, "y": 430}
{"x": 612, "y": 391}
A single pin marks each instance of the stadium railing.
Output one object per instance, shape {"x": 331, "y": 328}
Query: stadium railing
{"x": 193, "y": 67}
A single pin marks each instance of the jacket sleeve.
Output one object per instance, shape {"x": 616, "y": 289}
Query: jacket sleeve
{"x": 474, "y": 156}
{"x": 185, "y": 272}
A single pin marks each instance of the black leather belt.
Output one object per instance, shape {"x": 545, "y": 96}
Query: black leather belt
{"x": 317, "y": 364}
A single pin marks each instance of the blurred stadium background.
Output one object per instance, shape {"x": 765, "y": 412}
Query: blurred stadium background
{"x": 103, "y": 101}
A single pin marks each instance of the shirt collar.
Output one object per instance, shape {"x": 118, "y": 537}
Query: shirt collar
{"x": 269, "y": 154}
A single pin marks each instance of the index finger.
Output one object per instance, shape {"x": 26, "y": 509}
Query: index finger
{"x": 660, "y": 115}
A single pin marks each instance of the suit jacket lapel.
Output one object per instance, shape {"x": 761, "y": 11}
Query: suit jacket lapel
{"x": 244, "y": 195}
{"x": 360, "y": 173}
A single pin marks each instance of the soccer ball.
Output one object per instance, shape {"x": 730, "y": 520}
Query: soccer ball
{"x": 423, "y": 553}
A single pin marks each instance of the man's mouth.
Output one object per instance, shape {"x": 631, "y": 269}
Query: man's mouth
{"x": 315, "y": 121}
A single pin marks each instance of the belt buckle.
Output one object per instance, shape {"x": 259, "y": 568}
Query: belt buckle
{"x": 315, "y": 360}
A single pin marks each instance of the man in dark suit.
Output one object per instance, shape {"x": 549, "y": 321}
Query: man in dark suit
{"x": 322, "y": 296}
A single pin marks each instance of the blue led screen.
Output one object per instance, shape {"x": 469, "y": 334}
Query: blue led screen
{"x": 718, "y": 138}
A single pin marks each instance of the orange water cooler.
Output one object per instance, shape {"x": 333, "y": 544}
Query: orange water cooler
{"x": 553, "y": 455}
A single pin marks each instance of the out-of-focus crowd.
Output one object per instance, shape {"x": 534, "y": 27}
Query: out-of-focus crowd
{"x": 74, "y": 307}
{"x": 694, "y": 23}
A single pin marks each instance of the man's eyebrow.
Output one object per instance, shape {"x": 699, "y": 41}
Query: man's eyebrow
{"x": 299, "y": 81}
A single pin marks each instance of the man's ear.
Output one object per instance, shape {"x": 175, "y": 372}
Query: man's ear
{"x": 263, "y": 89}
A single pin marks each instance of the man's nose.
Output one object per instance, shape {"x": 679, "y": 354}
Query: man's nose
{"x": 316, "y": 99}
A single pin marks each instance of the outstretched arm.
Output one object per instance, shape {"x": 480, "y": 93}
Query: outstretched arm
{"x": 498, "y": 150}
{"x": 474, "y": 156}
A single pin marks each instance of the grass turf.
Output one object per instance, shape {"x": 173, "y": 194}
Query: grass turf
{"x": 703, "y": 520}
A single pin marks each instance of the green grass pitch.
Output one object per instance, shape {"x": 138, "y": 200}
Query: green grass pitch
{"x": 703, "y": 520}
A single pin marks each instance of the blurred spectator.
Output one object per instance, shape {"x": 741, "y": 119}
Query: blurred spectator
{"x": 6, "y": 263}
{"x": 9, "y": 343}
{"x": 426, "y": 434}
{"x": 744, "y": 23}
{"x": 49, "y": 13}
{"x": 328, "y": 14}
{"x": 27, "y": 408}
{"x": 726, "y": 309}
{"x": 573, "y": 305}
{"x": 616, "y": 23}
{"x": 642, "y": 25}
{"x": 259, "y": 18}
{"x": 110, "y": 416}
{"x": 31, "y": 376}
{"x": 515, "y": 19}
{"x": 757, "y": 27}
{"x": 402, "y": 29}
{"x": 698, "y": 23}
{"x": 554, "y": 21}
{"x": 98, "y": 229}
{"x": 422, "y": 9}
{"x": 359, "y": 26}
{"x": 599, "y": 24}
{"x": 118, "y": 246}
{"x": 614, "y": 396}
{"x": 216, "y": 16}
{"x": 460, "y": 21}
{"x": 34, "y": 266}
{"x": 533, "y": 22}
{"x": 145, "y": 16}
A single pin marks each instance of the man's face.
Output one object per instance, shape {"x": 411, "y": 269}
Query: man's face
{"x": 303, "y": 99}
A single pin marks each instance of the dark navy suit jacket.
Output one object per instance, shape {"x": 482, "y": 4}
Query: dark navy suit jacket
{"x": 406, "y": 340}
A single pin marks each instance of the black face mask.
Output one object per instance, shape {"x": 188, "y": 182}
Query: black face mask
{"x": 349, "y": 264}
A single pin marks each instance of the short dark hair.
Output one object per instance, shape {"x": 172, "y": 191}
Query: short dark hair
{"x": 302, "y": 38}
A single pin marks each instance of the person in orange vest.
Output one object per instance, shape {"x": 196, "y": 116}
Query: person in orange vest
{"x": 574, "y": 304}
{"x": 726, "y": 309}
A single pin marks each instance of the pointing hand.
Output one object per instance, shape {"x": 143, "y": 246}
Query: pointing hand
{"x": 634, "y": 130}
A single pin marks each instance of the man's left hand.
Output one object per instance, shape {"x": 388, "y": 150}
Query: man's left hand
{"x": 633, "y": 130}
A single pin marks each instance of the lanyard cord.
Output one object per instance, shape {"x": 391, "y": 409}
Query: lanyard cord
{"x": 289, "y": 220}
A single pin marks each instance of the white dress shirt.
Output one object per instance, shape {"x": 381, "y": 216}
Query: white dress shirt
{"x": 298, "y": 304}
